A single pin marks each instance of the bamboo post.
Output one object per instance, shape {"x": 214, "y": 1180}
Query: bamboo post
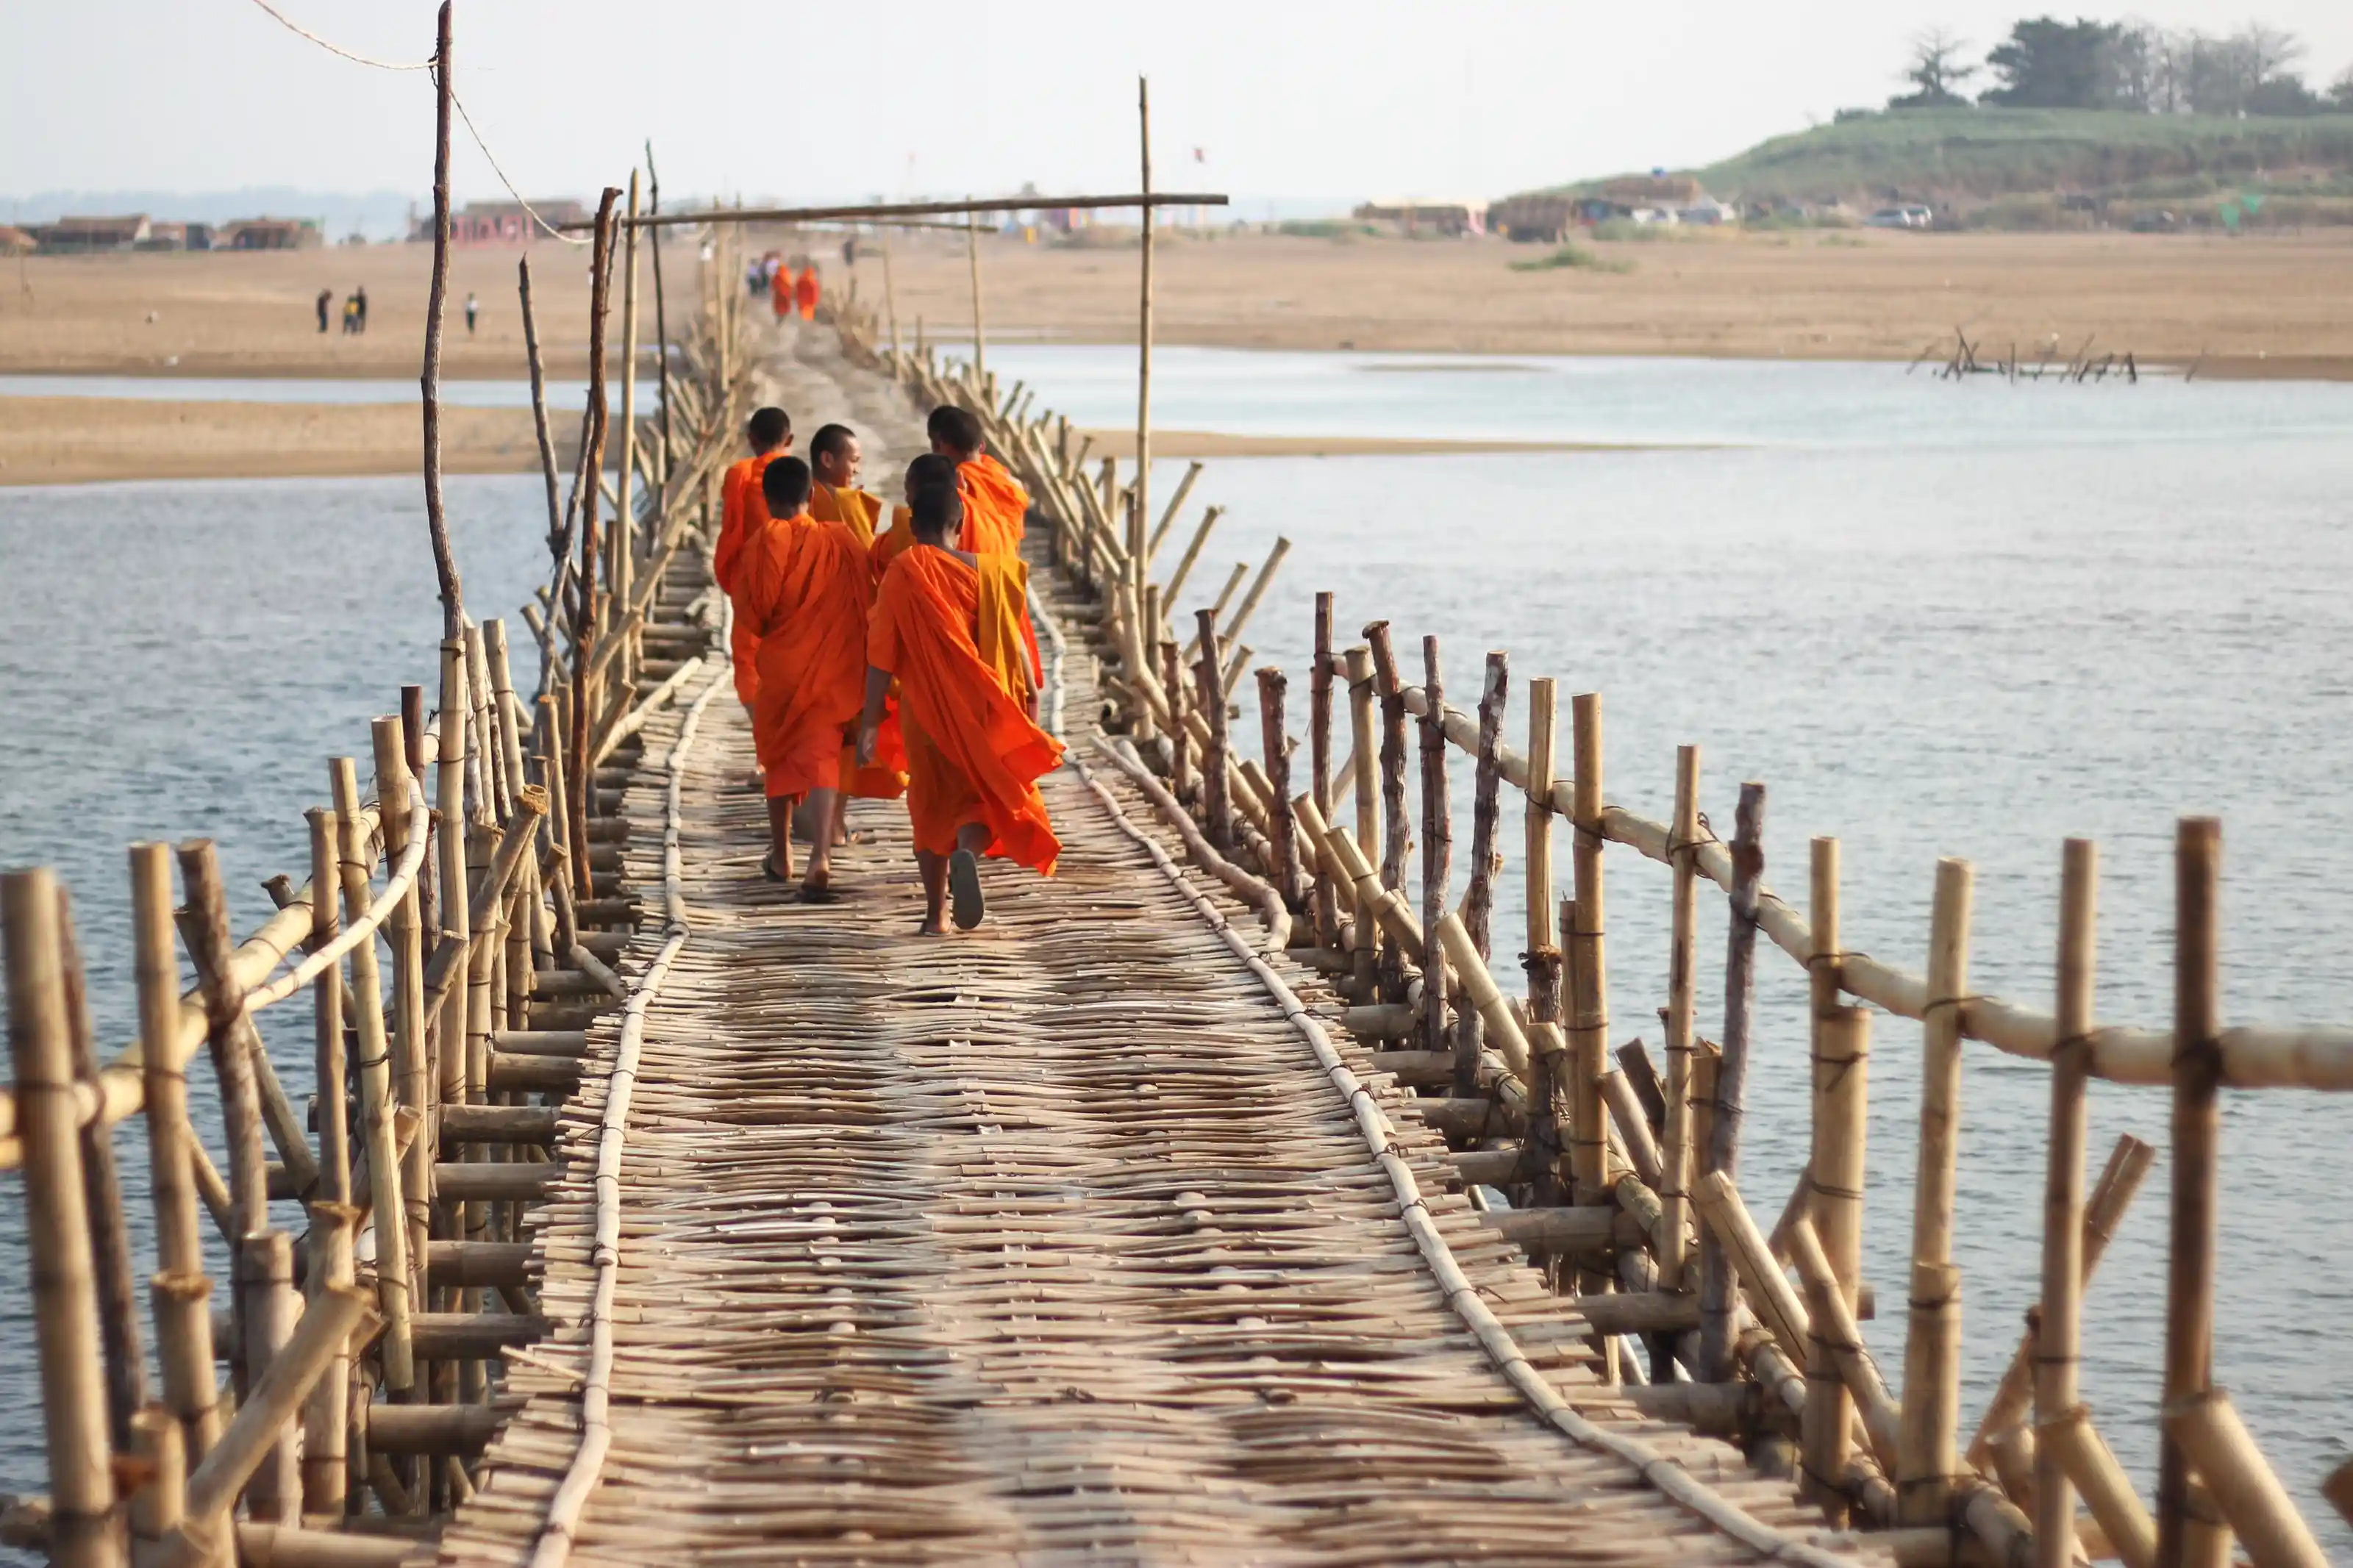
{"x": 1217, "y": 801}
{"x": 1837, "y": 1337}
{"x": 266, "y": 1279}
{"x": 539, "y": 410}
{"x": 158, "y": 1445}
{"x": 2077, "y": 1448}
{"x": 979, "y": 334}
{"x": 1161, "y": 530}
{"x": 1927, "y": 1462}
{"x": 83, "y": 1526}
{"x": 1358, "y": 665}
{"x": 1181, "y": 754}
{"x": 1676, "y": 1132}
{"x": 1841, "y": 1094}
{"x": 1437, "y": 840}
{"x": 1542, "y": 960}
{"x": 181, "y": 1295}
{"x": 1718, "y": 1302}
{"x": 1275, "y": 751}
{"x": 625, "y": 517}
{"x": 327, "y": 1017}
{"x": 662, "y": 319}
{"x": 1767, "y": 1289}
{"x": 109, "y": 1235}
{"x": 404, "y": 932}
{"x": 1479, "y": 893}
{"x": 1192, "y": 554}
{"x": 1319, "y": 754}
{"x": 1257, "y": 587}
{"x": 374, "y": 1073}
{"x": 581, "y": 775}
{"x": 2219, "y": 1446}
{"x": 1397, "y": 837}
{"x": 2197, "y": 1162}
{"x": 436, "y": 520}
{"x": 2059, "y": 1331}
{"x": 1138, "y": 549}
{"x": 1590, "y": 1026}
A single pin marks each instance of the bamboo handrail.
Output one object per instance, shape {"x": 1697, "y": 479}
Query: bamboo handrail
{"x": 2256, "y": 1055}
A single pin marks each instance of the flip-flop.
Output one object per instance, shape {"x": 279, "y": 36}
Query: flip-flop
{"x": 925, "y": 927}
{"x": 768, "y": 868}
{"x": 820, "y": 895}
{"x": 964, "y": 889}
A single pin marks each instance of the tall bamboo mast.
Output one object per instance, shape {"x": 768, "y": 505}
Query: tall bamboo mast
{"x": 1142, "y": 509}
{"x": 436, "y": 521}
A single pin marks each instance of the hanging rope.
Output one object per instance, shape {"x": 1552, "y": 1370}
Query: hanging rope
{"x": 529, "y": 211}
{"x": 292, "y": 26}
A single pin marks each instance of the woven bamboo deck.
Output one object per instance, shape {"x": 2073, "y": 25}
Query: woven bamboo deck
{"x": 1049, "y": 1243}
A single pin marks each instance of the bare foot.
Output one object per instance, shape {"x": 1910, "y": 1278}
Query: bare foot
{"x": 817, "y": 890}
{"x": 931, "y": 926}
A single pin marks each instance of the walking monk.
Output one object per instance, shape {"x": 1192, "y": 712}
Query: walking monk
{"x": 995, "y": 504}
{"x": 780, "y": 288}
{"x": 741, "y": 510}
{"x": 805, "y": 292}
{"x": 944, "y": 623}
{"x": 804, "y": 588}
{"x": 834, "y": 451}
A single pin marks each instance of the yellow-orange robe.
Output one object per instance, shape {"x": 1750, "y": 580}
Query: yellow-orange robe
{"x": 805, "y": 294}
{"x": 994, "y": 507}
{"x": 973, "y": 755}
{"x": 860, "y": 511}
{"x": 780, "y": 293}
{"x": 742, "y": 509}
{"x": 805, "y": 591}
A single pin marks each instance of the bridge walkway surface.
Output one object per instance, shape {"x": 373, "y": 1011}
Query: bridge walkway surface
{"x": 1080, "y": 1238}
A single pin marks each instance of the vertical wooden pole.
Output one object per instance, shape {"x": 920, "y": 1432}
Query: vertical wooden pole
{"x": 1834, "y": 1199}
{"x": 1180, "y": 734}
{"x": 1210, "y": 693}
{"x": 436, "y": 521}
{"x": 891, "y": 304}
{"x": 84, "y": 1530}
{"x": 327, "y": 1417}
{"x": 1274, "y": 749}
{"x": 584, "y": 627}
{"x": 1479, "y": 894}
{"x": 158, "y": 1444}
{"x": 225, "y": 1037}
{"x": 450, "y": 835}
{"x": 266, "y": 1278}
{"x": 1683, "y": 969}
{"x": 1589, "y": 1038}
{"x": 1138, "y": 554}
{"x": 2058, "y": 1338}
{"x": 396, "y": 787}
{"x": 1542, "y": 958}
{"x": 1437, "y": 842}
{"x": 2197, "y": 1164}
{"x": 1319, "y": 755}
{"x": 1718, "y": 1295}
{"x": 180, "y": 1293}
{"x": 625, "y": 515}
{"x": 327, "y": 1016}
{"x": 110, "y": 1234}
{"x": 662, "y": 319}
{"x": 980, "y": 332}
{"x": 1356, "y": 665}
{"x": 1925, "y": 1457}
{"x": 1397, "y": 834}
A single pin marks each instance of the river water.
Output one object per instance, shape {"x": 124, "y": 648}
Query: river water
{"x": 1934, "y": 619}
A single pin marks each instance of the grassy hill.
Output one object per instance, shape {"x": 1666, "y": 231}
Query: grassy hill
{"x": 1967, "y": 158}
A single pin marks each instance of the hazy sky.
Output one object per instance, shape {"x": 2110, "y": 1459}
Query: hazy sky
{"x": 1290, "y": 97}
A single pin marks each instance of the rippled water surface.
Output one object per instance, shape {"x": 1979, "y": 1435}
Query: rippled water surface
{"x": 1935, "y": 620}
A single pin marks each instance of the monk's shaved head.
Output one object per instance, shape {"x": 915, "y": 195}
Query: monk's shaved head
{"x": 834, "y": 452}
{"x": 955, "y": 432}
{"x": 927, "y": 471}
{"x": 938, "y": 512}
{"x": 768, "y": 429}
{"x": 784, "y": 486}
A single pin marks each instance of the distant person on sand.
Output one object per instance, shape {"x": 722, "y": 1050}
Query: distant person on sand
{"x": 849, "y": 251}
{"x": 805, "y": 292}
{"x": 472, "y": 307}
{"x": 944, "y": 623}
{"x": 360, "y": 294}
{"x": 351, "y": 315}
{"x": 326, "y": 303}
{"x": 804, "y": 586}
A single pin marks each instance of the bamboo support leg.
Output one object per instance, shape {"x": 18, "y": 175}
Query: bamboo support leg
{"x": 1437, "y": 842}
{"x": 2196, "y": 1166}
{"x": 1932, "y": 1371}
{"x": 110, "y": 1233}
{"x": 1397, "y": 834}
{"x": 1274, "y": 747}
{"x": 1841, "y": 1092}
{"x": 1478, "y": 890}
{"x": 266, "y": 1279}
{"x": 1209, "y": 694}
{"x": 1675, "y": 1141}
{"x": 1722, "y": 1154}
{"x": 1319, "y": 754}
{"x": 2059, "y": 1331}
{"x": 1589, "y": 1027}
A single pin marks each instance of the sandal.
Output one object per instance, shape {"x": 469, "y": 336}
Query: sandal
{"x": 768, "y": 868}
{"x": 964, "y": 889}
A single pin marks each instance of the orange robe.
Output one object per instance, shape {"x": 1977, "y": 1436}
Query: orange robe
{"x": 860, "y": 511}
{"x": 805, "y": 294}
{"x": 741, "y": 510}
{"x": 994, "y": 507}
{"x": 805, "y": 592}
{"x": 973, "y": 755}
{"x": 780, "y": 293}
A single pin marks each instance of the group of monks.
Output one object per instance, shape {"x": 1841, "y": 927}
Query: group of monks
{"x": 787, "y": 293}
{"x": 888, "y": 663}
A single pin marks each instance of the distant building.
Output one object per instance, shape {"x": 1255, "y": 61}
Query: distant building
{"x": 502, "y": 223}
{"x": 164, "y": 237}
{"x": 84, "y": 236}
{"x": 1545, "y": 216}
{"x": 1449, "y": 219}
{"x": 268, "y": 234}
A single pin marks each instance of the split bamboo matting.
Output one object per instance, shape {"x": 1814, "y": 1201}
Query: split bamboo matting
{"x": 1052, "y": 1242}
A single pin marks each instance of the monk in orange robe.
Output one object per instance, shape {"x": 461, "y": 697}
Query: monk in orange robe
{"x": 742, "y": 510}
{"x": 806, "y": 590}
{"x": 942, "y": 624}
{"x": 780, "y": 288}
{"x": 995, "y": 506}
{"x": 834, "y": 455}
{"x": 805, "y": 292}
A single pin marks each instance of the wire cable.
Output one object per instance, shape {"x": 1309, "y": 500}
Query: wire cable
{"x": 293, "y": 26}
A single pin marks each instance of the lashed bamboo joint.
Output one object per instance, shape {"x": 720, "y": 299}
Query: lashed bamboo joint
{"x": 1208, "y": 1204}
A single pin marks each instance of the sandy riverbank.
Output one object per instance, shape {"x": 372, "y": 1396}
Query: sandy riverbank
{"x": 74, "y": 440}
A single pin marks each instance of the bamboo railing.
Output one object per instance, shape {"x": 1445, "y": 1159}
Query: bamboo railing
{"x": 1624, "y": 1180}
{"x": 457, "y": 933}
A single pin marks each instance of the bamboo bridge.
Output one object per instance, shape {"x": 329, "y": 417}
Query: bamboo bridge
{"x": 1214, "y": 1202}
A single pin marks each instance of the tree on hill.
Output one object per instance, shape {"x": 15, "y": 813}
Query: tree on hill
{"x": 2340, "y": 92}
{"x": 2049, "y": 64}
{"x": 1936, "y": 69}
